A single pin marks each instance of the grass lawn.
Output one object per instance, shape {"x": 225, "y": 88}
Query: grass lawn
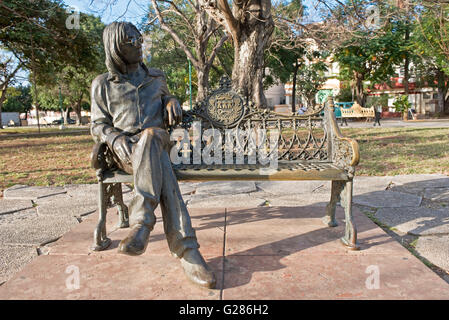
{"x": 393, "y": 151}
{"x": 59, "y": 160}
{"x": 46, "y": 160}
{"x": 32, "y": 130}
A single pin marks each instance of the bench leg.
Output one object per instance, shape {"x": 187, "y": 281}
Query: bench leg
{"x": 121, "y": 207}
{"x": 350, "y": 238}
{"x": 329, "y": 219}
{"x": 101, "y": 241}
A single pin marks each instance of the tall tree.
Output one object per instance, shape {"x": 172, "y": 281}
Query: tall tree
{"x": 8, "y": 70}
{"x": 18, "y": 99}
{"x": 35, "y": 32}
{"x": 250, "y": 24}
{"x": 193, "y": 30}
{"x": 372, "y": 60}
{"x": 431, "y": 43}
{"x": 73, "y": 78}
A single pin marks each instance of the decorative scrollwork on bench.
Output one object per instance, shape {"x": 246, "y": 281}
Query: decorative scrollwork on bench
{"x": 302, "y": 137}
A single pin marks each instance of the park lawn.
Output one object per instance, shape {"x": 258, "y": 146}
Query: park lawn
{"x": 33, "y": 130}
{"x": 394, "y": 151}
{"x": 65, "y": 159}
{"x": 46, "y": 160}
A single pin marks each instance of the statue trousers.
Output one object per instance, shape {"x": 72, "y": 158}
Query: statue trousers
{"x": 155, "y": 183}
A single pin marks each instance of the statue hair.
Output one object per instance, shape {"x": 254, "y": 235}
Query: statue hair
{"x": 113, "y": 35}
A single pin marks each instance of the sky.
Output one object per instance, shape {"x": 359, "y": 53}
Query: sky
{"x": 134, "y": 10}
{"x": 122, "y": 10}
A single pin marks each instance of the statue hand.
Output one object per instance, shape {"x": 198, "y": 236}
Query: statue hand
{"x": 122, "y": 148}
{"x": 174, "y": 112}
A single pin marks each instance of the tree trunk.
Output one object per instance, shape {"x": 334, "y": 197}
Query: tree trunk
{"x": 250, "y": 23}
{"x": 2, "y": 99}
{"x": 247, "y": 72}
{"x": 295, "y": 72}
{"x": 203, "y": 83}
{"x": 442, "y": 90}
{"x": 407, "y": 62}
{"x": 77, "y": 109}
{"x": 446, "y": 105}
{"x": 66, "y": 115}
{"x": 359, "y": 93}
{"x": 78, "y": 114}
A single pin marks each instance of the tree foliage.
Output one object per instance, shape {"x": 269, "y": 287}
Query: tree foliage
{"x": 18, "y": 99}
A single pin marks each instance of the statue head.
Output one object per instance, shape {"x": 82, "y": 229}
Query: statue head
{"x": 122, "y": 46}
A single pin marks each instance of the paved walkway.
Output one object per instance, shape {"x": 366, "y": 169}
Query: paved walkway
{"x": 265, "y": 241}
{"x": 396, "y": 123}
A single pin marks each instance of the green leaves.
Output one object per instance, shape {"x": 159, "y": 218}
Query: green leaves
{"x": 402, "y": 104}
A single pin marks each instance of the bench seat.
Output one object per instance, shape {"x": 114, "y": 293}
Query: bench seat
{"x": 292, "y": 170}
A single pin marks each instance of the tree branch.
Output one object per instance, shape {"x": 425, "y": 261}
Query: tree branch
{"x": 175, "y": 36}
{"x": 216, "y": 48}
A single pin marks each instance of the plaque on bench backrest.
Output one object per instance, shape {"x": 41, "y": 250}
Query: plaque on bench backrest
{"x": 224, "y": 107}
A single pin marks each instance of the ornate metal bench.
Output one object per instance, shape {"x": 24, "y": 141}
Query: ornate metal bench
{"x": 307, "y": 147}
{"x": 356, "y": 111}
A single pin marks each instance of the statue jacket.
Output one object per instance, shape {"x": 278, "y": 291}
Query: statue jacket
{"x": 119, "y": 107}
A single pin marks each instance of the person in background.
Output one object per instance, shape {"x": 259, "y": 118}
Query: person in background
{"x": 302, "y": 110}
{"x": 377, "y": 115}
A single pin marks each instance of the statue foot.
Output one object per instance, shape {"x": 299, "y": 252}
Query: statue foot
{"x": 196, "y": 269}
{"x": 136, "y": 242}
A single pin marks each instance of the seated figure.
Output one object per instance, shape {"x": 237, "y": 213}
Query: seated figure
{"x": 131, "y": 109}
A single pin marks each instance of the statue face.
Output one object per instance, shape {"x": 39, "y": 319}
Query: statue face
{"x": 131, "y": 48}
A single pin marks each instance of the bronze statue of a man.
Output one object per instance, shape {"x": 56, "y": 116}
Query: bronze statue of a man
{"x": 131, "y": 108}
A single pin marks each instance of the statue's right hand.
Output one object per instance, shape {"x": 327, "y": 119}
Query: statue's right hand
{"x": 122, "y": 148}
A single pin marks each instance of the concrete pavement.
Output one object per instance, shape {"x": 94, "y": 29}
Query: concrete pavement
{"x": 273, "y": 233}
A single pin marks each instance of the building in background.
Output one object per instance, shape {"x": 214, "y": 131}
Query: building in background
{"x": 423, "y": 99}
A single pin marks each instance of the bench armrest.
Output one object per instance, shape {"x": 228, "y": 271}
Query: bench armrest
{"x": 345, "y": 151}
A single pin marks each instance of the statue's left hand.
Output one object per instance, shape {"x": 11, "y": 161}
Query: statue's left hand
{"x": 174, "y": 112}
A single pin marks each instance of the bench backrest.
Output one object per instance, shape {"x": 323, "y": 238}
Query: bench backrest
{"x": 356, "y": 111}
{"x": 225, "y": 117}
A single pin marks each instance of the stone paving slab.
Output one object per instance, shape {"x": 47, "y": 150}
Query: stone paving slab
{"x": 237, "y": 200}
{"x": 13, "y": 259}
{"x": 35, "y": 230}
{"x": 302, "y": 277}
{"x": 10, "y": 206}
{"x": 363, "y": 185}
{"x": 284, "y": 230}
{"x": 437, "y": 194}
{"x": 84, "y": 191}
{"x": 288, "y": 270}
{"x": 416, "y": 221}
{"x": 225, "y": 187}
{"x": 22, "y": 192}
{"x": 293, "y": 187}
{"x": 70, "y": 209}
{"x": 310, "y": 199}
{"x": 422, "y": 180}
{"x": 116, "y": 277}
{"x": 435, "y": 249}
{"x": 387, "y": 199}
{"x": 11, "y": 218}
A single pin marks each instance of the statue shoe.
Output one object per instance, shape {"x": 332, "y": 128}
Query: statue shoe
{"x": 136, "y": 242}
{"x": 196, "y": 269}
